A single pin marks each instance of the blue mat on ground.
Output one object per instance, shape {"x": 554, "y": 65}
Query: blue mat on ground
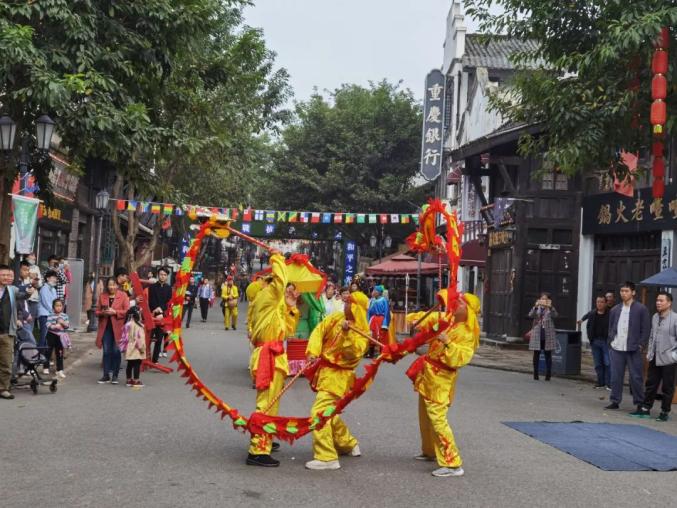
{"x": 611, "y": 447}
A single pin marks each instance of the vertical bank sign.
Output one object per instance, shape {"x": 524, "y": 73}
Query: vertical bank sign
{"x": 350, "y": 262}
{"x": 433, "y": 125}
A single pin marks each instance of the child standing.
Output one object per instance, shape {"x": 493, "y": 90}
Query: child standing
{"x": 133, "y": 345}
{"x": 57, "y": 324}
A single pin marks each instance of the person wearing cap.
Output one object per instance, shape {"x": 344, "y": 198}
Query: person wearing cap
{"x": 230, "y": 296}
{"x": 336, "y": 351}
{"x": 272, "y": 311}
{"x": 378, "y": 316}
{"x": 434, "y": 376}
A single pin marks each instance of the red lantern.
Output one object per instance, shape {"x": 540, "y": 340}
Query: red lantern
{"x": 663, "y": 41}
{"x": 658, "y": 188}
{"x": 658, "y": 112}
{"x": 659, "y": 87}
{"x": 657, "y": 149}
{"x": 659, "y": 63}
{"x": 658, "y": 169}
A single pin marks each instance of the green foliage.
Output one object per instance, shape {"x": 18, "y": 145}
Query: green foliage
{"x": 358, "y": 150}
{"x": 589, "y": 52}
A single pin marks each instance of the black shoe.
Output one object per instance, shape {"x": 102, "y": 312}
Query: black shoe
{"x": 104, "y": 380}
{"x": 262, "y": 460}
{"x": 187, "y": 326}
{"x": 663, "y": 417}
{"x": 276, "y": 446}
{"x": 114, "y": 380}
{"x": 640, "y": 412}
{"x": 613, "y": 405}
{"x": 536, "y": 377}
{"x": 547, "y": 377}
{"x": 234, "y": 328}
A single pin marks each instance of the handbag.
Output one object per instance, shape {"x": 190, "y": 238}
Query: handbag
{"x": 65, "y": 340}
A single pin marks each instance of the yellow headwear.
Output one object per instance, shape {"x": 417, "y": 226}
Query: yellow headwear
{"x": 359, "y": 306}
{"x": 473, "y": 309}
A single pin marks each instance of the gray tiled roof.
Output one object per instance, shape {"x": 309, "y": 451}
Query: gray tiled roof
{"x": 494, "y": 53}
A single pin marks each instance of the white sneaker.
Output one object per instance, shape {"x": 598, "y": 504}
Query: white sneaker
{"x": 320, "y": 465}
{"x": 423, "y": 458}
{"x": 355, "y": 452}
{"x": 448, "y": 471}
{"x": 61, "y": 374}
{"x": 45, "y": 372}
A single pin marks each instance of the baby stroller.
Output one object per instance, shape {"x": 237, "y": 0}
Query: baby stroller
{"x": 28, "y": 360}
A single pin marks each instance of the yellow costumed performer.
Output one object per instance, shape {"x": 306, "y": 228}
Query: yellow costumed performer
{"x": 336, "y": 351}
{"x": 270, "y": 314}
{"x": 230, "y": 295}
{"x": 434, "y": 376}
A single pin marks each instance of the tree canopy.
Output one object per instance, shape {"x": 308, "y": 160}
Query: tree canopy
{"x": 356, "y": 150}
{"x": 588, "y": 56}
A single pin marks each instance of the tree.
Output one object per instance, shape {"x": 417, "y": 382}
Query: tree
{"x": 590, "y": 54}
{"x": 358, "y": 150}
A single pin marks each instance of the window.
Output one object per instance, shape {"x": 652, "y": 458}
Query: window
{"x": 555, "y": 181}
{"x": 562, "y": 236}
{"x": 537, "y": 236}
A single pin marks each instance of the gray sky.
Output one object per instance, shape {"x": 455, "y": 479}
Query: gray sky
{"x": 325, "y": 43}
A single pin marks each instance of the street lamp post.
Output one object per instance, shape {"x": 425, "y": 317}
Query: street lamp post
{"x": 101, "y": 204}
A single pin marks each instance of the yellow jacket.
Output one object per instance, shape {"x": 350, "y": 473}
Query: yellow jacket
{"x": 266, "y": 315}
{"x": 436, "y": 384}
{"x": 342, "y": 348}
{"x": 229, "y": 292}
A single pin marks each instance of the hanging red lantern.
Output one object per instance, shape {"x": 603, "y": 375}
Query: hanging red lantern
{"x": 658, "y": 113}
{"x": 663, "y": 40}
{"x": 659, "y": 63}
{"x": 659, "y": 87}
{"x": 658, "y": 188}
{"x": 658, "y": 169}
{"x": 657, "y": 149}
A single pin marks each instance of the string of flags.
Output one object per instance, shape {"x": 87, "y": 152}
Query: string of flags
{"x": 269, "y": 216}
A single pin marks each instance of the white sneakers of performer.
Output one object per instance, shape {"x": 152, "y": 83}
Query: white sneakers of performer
{"x": 448, "y": 471}
{"x": 321, "y": 465}
{"x": 355, "y": 452}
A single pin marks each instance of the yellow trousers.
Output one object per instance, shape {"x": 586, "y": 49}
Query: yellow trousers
{"x": 437, "y": 439}
{"x": 261, "y": 444}
{"x": 230, "y": 317}
{"x": 334, "y": 437}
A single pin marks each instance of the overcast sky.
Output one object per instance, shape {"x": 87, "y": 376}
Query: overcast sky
{"x": 325, "y": 43}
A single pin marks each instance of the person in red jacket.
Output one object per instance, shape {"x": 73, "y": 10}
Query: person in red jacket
{"x": 111, "y": 309}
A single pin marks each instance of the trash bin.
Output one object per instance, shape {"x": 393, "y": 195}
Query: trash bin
{"x": 566, "y": 358}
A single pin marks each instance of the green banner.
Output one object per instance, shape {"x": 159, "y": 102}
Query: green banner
{"x": 25, "y": 222}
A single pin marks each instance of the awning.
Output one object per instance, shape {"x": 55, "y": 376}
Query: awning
{"x": 473, "y": 253}
{"x": 402, "y": 265}
{"x": 667, "y": 279}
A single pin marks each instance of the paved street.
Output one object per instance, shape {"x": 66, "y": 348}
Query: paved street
{"x": 92, "y": 445}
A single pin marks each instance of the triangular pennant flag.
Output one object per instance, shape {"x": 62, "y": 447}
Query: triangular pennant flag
{"x": 350, "y": 218}
{"x": 383, "y": 218}
{"x": 131, "y": 205}
{"x": 281, "y": 216}
{"x": 121, "y": 204}
{"x": 155, "y": 208}
{"x": 395, "y": 218}
{"x": 372, "y": 218}
{"x": 405, "y": 218}
{"x": 360, "y": 218}
{"x": 293, "y": 216}
{"x": 247, "y": 215}
{"x": 167, "y": 209}
{"x": 338, "y": 218}
{"x": 304, "y": 217}
{"x": 326, "y": 218}
{"x": 315, "y": 217}
{"x": 270, "y": 216}
{"x": 241, "y": 207}
{"x": 258, "y": 215}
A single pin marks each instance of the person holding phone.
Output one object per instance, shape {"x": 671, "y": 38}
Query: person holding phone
{"x": 111, "y": 309}
{"x": 543, "y": 333}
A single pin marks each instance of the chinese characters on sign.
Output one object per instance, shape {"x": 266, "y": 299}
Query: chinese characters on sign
{"x": 350, "y": 262}
{"x": 615, "y": 213}
{"x": 433, "y": 125}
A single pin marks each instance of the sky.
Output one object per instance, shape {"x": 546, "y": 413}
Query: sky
{"x": 325, "y": 43}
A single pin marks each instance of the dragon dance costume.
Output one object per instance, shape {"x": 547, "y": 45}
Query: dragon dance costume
{"x": 434, "y": 377}
{"x": 339, "y": 352}
{"x": 269, "y": 319}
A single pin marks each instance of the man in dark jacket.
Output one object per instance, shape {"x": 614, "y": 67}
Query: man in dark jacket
{"x": 597, "y": 327}
{"x": 629, "y": 327}
{"x": 189, "y": 300}
{"x": 159, "y": 295}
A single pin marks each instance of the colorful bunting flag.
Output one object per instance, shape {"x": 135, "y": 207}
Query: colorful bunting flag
{"x": 144, "y": 206}
{"x": 305, "y": 217}
{"x": 394, "y": 218}
{"x": 361, "y": 217}
{"x": 167, "y": 209}
{"x": 121, "y": 204}
{"x": 155, "y": 208}
{"x": 293, "y": 216}
{"x": 315, "y": 217}
{"x": 405, "y": 218}
{"x": 178, "y": 210}
{"x": 326, "y": 218}
{"x": 258, "y": 215}
{"x": 234, "y": 213}
{"x": 270, "y": 216}
{"x": 338, "y": 218}
{"x": 372, "y": 218}
{"x": 383, "y": 218}
{"x": 350, "y": 218}
{"x": 247, "y": 215}
{"x": 131, "y": 205}
{"x": 281, "y": 216}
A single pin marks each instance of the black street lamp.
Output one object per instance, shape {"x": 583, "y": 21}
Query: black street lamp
{"x": 101, "y": 204}
{"x": 387, "y": 242}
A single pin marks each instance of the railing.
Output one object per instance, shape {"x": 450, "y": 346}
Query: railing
{"x": 472, "y": 229}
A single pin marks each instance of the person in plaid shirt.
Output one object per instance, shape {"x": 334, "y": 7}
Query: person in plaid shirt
{"x": 58, "y": 264}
